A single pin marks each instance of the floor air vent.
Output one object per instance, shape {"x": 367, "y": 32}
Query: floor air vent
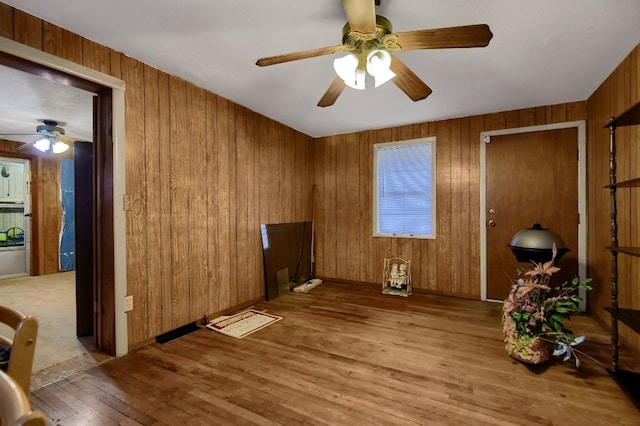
{"x": 178, "y": 332}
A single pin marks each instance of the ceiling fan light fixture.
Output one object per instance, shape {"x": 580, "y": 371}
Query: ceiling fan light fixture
{"x": 378, "y": 65}
{"x": 43, "y": 144}
{"x": 59, "y": 147}
{"x": 370, "y": 40}
{"x": 348, "y": 69}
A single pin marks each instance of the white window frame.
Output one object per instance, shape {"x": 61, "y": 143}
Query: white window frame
{"x": 376, "y": 224}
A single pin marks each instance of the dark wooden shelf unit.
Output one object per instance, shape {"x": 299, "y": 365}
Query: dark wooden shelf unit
{"x": 631, "y": 251}
{"x": 631, "y": 183}
{"x": 630, "y": 117}
{"x": 629, "y": 317}
{"x": 629, "y": 381}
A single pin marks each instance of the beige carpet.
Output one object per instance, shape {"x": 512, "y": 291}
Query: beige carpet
{"x": 51, "y": 299}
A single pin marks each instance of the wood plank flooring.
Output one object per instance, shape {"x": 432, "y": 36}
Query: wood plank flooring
{"x": 347, "y": 355}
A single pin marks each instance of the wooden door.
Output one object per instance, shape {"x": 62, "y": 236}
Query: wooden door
{"x": 84, "y": 196}
{"x": 103, "y": 233}
{"x": 531, "y": 178}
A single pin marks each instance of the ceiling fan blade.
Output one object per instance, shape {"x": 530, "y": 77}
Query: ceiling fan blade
{"x": 445, "y": 38}
{"x": 303, "y": 54}
{"x": 8, "y": 135}
{"x": 65, "y": 139}
{"x": 361, "y": 15}
{"x": 332, "y": 93}
{"x": 23, "y": 147}
{"x": 70, "y": 140}
{"x": 408, "y": 82}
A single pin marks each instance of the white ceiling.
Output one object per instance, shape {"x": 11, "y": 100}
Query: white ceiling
{"x": 28, "y": 100}
{"x": 543, "y": 52}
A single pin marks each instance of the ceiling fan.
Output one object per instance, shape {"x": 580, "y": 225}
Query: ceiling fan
{"x": 50, "y": 138}
{"x": 368, "y": 40}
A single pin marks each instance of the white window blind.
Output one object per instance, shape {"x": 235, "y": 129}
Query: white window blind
{"x": 404, "y": 183}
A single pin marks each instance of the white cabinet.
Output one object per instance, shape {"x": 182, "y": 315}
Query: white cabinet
{"x": 15, "y": 216}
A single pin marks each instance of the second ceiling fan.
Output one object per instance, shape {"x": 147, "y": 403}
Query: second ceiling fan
{"x": 368, "y": 41}
{"x": 49, "y": 137}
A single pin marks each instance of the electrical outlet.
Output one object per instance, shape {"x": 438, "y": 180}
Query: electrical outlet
{"x": 129, "y": 303}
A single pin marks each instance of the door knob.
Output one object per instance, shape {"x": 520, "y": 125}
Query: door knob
{"x": 492, "y": 222}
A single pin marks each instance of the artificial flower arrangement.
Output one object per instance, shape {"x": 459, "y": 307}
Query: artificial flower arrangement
{"x": 533, "y": 316}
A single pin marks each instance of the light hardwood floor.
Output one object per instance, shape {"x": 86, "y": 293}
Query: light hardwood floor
{"x": 347, "y": 355}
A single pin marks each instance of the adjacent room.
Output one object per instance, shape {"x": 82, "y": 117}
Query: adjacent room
{"x": 338, "y": 212}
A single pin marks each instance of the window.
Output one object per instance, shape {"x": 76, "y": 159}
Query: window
{"x": 404, "y": 189}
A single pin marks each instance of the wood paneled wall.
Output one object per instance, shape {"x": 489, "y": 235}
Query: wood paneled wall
{"x": 448, "y": 265}
{"x": 202, "y": 174}
{"x": 46, "y": 208}
{"x": 616, "y": 94}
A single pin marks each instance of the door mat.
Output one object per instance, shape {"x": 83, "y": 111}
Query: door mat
{"x": 242, "y": 324}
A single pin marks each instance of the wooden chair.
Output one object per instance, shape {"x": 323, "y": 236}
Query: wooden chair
{"x": 22, "y": 345}
{"x": 15, "y": 409}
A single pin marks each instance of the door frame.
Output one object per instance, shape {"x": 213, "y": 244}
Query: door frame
{"x": 485, "y": 138}
{"x": 71, "y": 73}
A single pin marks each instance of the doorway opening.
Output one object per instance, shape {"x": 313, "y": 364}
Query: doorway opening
{"x": 108, "y": 229}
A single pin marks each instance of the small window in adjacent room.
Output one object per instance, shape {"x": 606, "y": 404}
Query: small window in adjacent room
{"x": 404, "y": 190}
